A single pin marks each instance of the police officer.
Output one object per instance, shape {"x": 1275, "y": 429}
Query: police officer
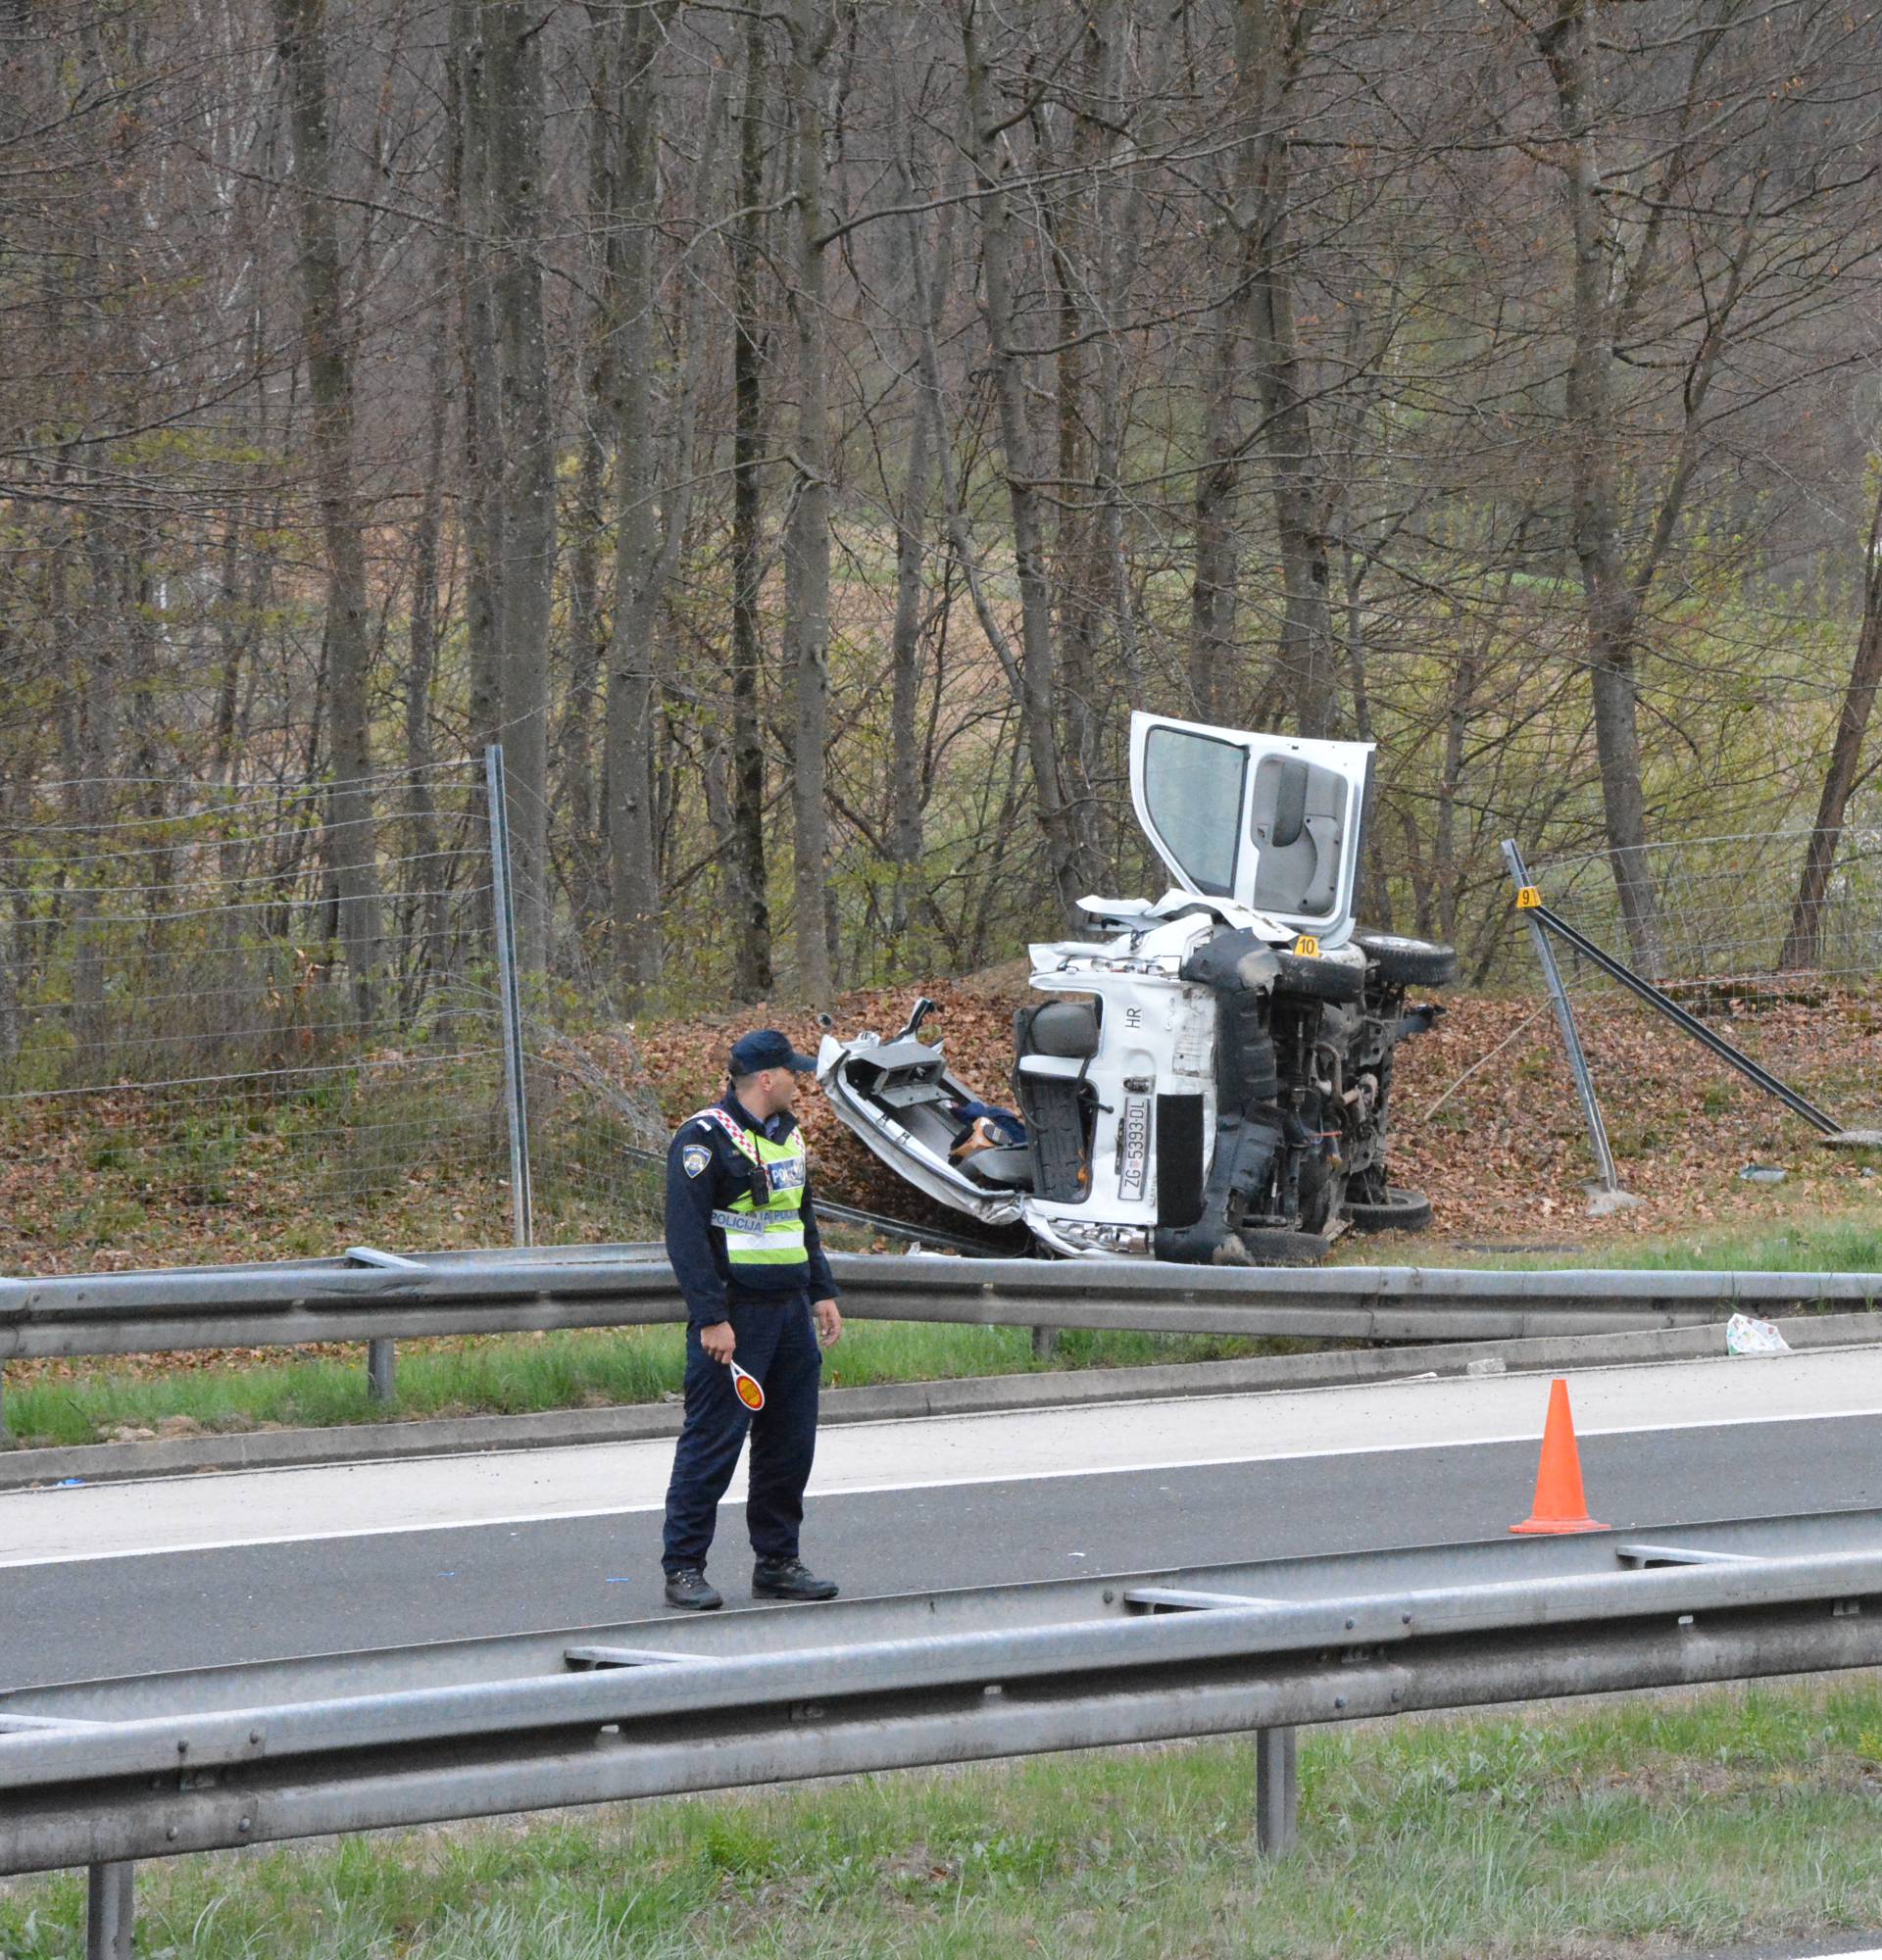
{"x": 743, "y": 1241}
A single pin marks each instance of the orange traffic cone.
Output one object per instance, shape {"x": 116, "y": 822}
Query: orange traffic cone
{"x": 1561, "y": 1505}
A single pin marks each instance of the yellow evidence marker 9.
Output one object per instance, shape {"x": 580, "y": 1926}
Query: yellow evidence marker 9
{"x": 748, "y": 1387}
{"x": 1529, "y": 899}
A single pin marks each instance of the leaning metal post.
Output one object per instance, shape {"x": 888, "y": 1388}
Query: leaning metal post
{"x": 515, "y": 1095}
{"x": 1278, "y": 1790}
{"x": 1565, "y": 1020}
{"x": 111, "y": 1911}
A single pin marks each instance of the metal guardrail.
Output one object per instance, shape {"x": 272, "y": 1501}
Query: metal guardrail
{"x": 488, "y": 1292}
{"x": 380, "y": 1298}
{"x": 104, "y": 1774}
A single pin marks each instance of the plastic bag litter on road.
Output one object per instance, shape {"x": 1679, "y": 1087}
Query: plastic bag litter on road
{"x": 1746, "y": 1336}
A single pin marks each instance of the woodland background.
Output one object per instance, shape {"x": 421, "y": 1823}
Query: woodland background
{"x": 802, "y": 432}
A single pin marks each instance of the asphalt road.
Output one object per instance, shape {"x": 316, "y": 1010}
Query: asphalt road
{"x": 88, "y": 1617}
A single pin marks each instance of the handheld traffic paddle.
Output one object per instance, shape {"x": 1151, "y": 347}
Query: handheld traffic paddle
{"x": 748, "y": 1387}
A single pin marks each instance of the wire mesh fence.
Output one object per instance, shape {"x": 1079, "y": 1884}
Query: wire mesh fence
{"x": 1728, "y": 920}
{"x": 189, "y": 1066}
{"x": 1783, "y": 965}
{"x": 597, "y": 1139}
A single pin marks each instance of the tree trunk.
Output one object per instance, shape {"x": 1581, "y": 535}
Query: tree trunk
{"x": 528, "y": 564}
{"x": 1270, "y": 49}
{"x": 910, "y": 590}
{"x": 745, "y": 875}
{"x": 808, "y": 546}
{"x": 481, "y": 504}
{"x": 1087, "y": 590}
{"x": 1214, "y": 583}
{"x": 1058, "y": 820}
{"x": 587, "y": 640}
{"x": 429, "y": 870}
{"x": 586, "y": 663}
{"x": 1803, "y": 942}
{"x": 91, "y": 746}
{"x": 1611, "y": 607}
{"x": 631, "y": 686}
{"x": 301, "y": 38}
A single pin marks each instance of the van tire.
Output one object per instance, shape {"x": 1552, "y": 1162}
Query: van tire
{"x": 1408, "y": 962}
{"x": 1400, "y": 1212}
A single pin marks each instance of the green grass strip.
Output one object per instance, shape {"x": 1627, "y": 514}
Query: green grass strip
{"x": 1729, "y": 1816}
{"x": 511, "y": 1374}
{"x": 1827, "y": 1245}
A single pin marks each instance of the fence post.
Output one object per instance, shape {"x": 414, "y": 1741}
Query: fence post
{"x": 516, "y": 1095}
{"x": 111, "y": 1911}
{"x": 1565, "y": 1021}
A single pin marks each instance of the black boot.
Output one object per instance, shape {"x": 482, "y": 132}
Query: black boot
{"x": 688, "y": 1587}
{"x": 789, "y": 1579}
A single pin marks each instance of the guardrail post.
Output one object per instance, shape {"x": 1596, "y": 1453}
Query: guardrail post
{"x": 3, "y": 1401}
{"x": 111, "y": 1911}
{"x": 1044, "y": 1343}
{"x": 381, "y": 1359}
{"x": 1278, "y": 1790}
{"x": 382, "y": 1353}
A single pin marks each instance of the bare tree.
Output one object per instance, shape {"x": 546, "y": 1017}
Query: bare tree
{"x": 745, "y": 875}
{"x": 808, "y": 546}
{"x": 300, "y": 28}
{"x": 1803, "y": 942}
{"x": 515, "y": 161}
{"x": 1068, "y": 856}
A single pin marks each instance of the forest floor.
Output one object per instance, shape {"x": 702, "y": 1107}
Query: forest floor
{"x": 1484, "y": 1114}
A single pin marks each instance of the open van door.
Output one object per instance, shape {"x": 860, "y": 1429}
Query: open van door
{"x": 1268, "y": 820}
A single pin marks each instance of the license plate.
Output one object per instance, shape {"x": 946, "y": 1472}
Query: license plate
{"x": 1133, "y": 1156}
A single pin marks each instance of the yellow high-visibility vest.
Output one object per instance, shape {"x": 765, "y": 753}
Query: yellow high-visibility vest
{"x": 769, "y": 1234}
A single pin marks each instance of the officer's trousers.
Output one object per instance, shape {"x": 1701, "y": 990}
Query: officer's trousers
{"x": 776, "y": 1342}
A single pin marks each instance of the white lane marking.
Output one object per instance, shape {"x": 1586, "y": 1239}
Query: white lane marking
{"x": 517, "y": 1489}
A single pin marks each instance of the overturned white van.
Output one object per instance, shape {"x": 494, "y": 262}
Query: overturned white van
{"x": 1208, "y": 1076}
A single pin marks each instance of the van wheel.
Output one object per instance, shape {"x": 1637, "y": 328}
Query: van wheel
{"x": 1408, "y": 962}
{"x": 1399, "y": 1212}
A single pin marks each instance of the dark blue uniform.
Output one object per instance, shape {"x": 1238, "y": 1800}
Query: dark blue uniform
{"x": 770, "y": 1310}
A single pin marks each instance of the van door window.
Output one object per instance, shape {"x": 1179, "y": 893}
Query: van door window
{"x": 1192, "y": 788}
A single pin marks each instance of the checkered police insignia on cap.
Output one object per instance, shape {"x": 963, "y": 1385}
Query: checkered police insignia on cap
{"x": 695, "y": 1157}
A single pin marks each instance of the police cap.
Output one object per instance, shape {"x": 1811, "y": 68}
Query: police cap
{"x": 766, "y": 1048}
